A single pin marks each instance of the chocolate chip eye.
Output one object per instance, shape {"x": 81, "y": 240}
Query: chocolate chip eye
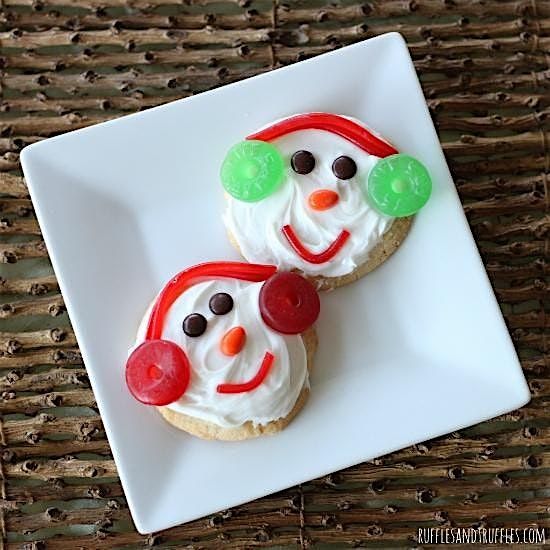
{"x": 302, "y": 162}
{"x": 344, "y": 168}
{"x": 221, "y": 303}
{"x": 194, "y": 325}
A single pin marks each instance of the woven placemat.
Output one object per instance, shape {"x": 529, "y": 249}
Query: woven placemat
{"x": 485, "y": 69}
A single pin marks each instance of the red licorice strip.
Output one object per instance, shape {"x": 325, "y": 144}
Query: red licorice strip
{"x": 336, "y": 124}
{"x": 312, "y": 257}
{"x": 253, "y": 383}
{"x": 202, "y": 272}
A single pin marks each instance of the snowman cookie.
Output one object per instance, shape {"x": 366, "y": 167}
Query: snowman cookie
{"x": 225, "y": 349}
{"x": 322, "y": 194}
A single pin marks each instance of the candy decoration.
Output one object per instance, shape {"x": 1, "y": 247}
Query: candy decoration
{"x": 194, "y": 325}
{"x": 252, "y": 170}
{"x": 323, "y": 199}
{"x": 221, "y": 303}
{"x": 233, "y": 341}
{"x": 398, "y": 186}
{"x": 289, "y": 303}
{"x": 336, "y": 124}
{"x": 157, "y": 372}
{"x": 302, "y": 162}
{"x": 344, "y": 168}
{"x": 312, "y": 257}
{"x": 254, "y": 382}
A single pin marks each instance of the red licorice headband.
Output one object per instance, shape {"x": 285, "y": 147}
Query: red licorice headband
{"x": 158, "y": 371}
{"x": 198, "y": 274}
{"x": 336, "y": 124}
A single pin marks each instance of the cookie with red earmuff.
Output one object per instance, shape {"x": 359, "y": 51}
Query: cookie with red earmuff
{"x": 320, "y": 193}
{"x": 224, "y": 351}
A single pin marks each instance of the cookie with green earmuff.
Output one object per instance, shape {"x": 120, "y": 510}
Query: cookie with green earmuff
{"x": 321, "y": 194}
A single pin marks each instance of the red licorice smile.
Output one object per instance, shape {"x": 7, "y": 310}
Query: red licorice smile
{"x": 254, "y": 382}
{"x": 312, "y": 257}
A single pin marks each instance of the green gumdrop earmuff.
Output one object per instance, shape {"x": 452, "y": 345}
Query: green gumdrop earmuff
{"x": 398, "y": 186}
{"x": 252, "y": 170}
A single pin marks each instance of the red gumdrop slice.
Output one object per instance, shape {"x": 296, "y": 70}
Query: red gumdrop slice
{"x": 157, "y": 372}
{"x": 289, "y": 303}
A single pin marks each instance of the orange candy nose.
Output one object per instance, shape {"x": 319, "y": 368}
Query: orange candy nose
{"x": 323, "y": 199}
{"x": 233, "y": 341}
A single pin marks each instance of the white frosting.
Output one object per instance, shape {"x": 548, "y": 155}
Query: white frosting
{"x": 257, "y": 226}
{"x": 274, "y": 398}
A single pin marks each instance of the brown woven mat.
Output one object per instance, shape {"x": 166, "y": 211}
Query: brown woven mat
{"x": 70, "y": 63}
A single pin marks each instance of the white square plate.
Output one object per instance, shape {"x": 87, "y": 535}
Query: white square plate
{"x": 416, "y": 349}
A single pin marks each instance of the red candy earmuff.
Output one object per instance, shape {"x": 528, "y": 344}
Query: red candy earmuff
{"x": 289, "y": 303}
{"x": 158, "y": 371}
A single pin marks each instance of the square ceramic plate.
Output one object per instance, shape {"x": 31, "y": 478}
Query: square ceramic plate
{"x": 415, "y": 350}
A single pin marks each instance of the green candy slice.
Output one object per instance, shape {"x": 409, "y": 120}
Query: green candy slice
{"x": 252, "y": 170}
{"x": 398, "y": 186}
